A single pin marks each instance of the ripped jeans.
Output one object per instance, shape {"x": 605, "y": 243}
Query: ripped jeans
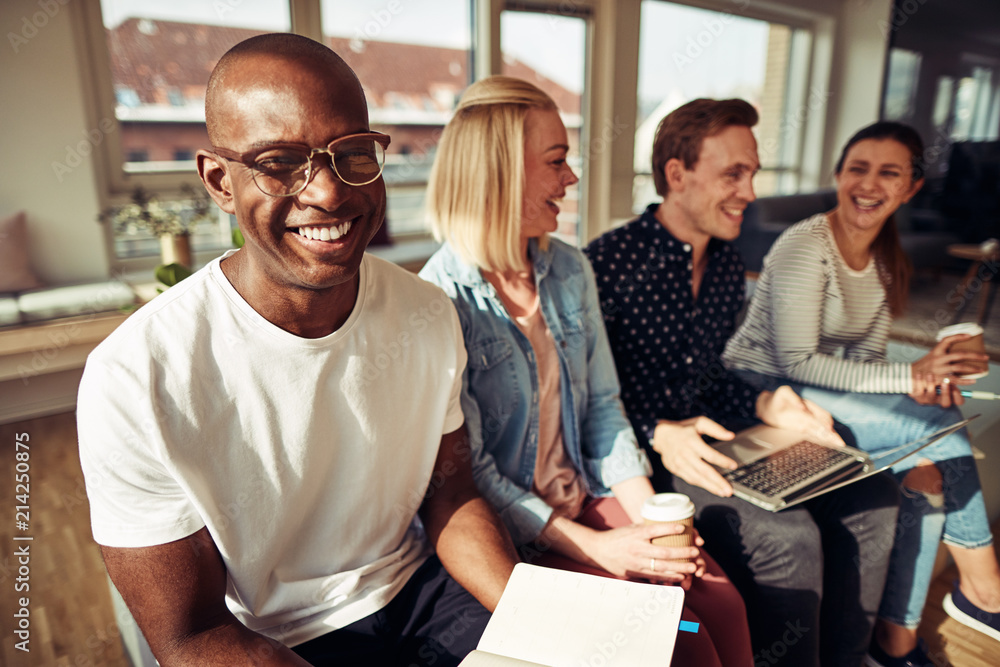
{"x": 881, "y": 422}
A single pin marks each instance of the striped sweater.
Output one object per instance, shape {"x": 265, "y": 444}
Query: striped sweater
{"x": 816, "y": 321}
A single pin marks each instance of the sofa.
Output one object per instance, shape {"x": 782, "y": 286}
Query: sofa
{"x": 46, "y": 331}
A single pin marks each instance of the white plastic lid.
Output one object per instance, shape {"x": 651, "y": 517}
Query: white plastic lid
{"x": 970, "y": 328}
{"x": 667, "y": 507}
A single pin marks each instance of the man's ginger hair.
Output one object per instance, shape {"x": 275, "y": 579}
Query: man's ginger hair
{"x": 681, "y": 132}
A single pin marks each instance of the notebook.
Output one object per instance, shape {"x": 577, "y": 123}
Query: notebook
{"x": 779, "y": 468}
{"x": 555, "y": 618}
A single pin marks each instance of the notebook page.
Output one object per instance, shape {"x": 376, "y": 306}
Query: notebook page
{"x": 568, "y": 619}
{"x": 483, "y": 659}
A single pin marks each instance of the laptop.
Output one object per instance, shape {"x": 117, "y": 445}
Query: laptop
{"x": 779, "y": 468}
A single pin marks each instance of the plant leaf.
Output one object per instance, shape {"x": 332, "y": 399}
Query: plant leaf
{"x": 171, "y": 274}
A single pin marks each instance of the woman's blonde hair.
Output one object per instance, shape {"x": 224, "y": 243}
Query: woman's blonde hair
{"x": 475, "y": 192}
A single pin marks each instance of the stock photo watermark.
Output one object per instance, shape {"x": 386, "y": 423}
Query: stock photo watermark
{"x": 58, "y": 340}
{"x": 22, "y": 539}
{"x": 76, "y": 153}
{"x": 380, "y": 20}
{"x": 712, "y": 29}
{"x": 901, "y": 13}
{"x": 30, "y": 25}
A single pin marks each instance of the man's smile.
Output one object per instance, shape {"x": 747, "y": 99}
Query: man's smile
{"x": 326, "y": 233}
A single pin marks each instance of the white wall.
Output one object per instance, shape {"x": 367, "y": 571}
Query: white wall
{"x": 860, "y": 45}
{"x": 43, "y": 114}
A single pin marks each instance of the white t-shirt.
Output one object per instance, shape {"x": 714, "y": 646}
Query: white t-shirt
{"x": 306, "y": 458}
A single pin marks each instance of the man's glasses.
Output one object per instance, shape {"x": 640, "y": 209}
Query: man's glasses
{"x": 284, "y": 170}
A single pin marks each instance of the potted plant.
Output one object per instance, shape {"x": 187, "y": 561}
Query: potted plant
{"x": 171, "y": 222}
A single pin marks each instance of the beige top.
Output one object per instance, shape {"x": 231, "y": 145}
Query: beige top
{"x": 557, "y": 480}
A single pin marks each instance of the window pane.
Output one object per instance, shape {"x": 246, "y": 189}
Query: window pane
{"x": 413, "y": 60}
{"x": 161, "y": 55}
{"x": 549, "y": 51}
{"x": 901, "y": 85}
{"x": 686, "y": 53}
{"x": 942, "y": 104}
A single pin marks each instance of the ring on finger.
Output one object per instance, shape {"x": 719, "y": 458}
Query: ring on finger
{"x": 652, "y": 564}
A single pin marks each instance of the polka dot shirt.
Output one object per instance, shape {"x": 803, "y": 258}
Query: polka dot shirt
{"x": 667, "y": 344}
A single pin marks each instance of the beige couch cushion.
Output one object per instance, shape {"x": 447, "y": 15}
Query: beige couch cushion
{"x": 15, "y": 270}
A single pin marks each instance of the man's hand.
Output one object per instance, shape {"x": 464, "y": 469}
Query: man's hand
{"x": 688, "y": 456}
{"x": 783, "y": 408}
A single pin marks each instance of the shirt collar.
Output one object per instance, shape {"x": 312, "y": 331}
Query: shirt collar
{"x": 715, "y": 245}
{"x": 469, "y": 275}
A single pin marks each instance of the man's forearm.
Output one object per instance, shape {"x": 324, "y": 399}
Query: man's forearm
{"x": 228, "y": 644}
{"x": 476, "y": 550}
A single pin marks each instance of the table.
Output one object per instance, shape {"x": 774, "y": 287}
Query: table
{"x": 985, "y": 266}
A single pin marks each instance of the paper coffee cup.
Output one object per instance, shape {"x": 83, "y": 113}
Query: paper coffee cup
{"x": 974, "y": 344}
{"x": 671, "y": 508}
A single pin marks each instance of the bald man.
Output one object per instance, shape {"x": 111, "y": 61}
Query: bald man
{"x": 274, "y": 449}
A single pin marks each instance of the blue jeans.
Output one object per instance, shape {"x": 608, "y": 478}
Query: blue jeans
{"x": 881, "y": 422}
{"x": 811, "y": 576}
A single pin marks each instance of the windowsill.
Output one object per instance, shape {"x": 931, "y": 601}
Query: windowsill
{"x": 410, "y": 255}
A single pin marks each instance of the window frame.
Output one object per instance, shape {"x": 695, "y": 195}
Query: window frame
{"x": 804, "y": 75}
{"x": 585, "y": 12}
{"x": 115, "y": 184}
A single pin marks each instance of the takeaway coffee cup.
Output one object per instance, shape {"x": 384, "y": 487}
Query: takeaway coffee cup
{"x": 974, "y": 344}
{"x": 671, "y": 508}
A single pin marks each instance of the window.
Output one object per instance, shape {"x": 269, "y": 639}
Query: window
{"x": 686, "y": 53}
{"x": 160, "y": 56}
{"x": 901, "y": 85}
{"x": 942, "y": 104}
{"x": 150, "y": 61}
{"x": 977, "y": 106}
{"x": 414, "y": 60}
{"x": 549, "y": 50}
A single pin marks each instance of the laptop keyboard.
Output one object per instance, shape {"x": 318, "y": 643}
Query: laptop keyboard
{"x": 784, "y": 469}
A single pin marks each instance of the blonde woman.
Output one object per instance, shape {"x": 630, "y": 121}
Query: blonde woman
{"x": 552, "y": 448}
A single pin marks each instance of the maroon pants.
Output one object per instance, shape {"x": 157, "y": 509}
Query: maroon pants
{"x": 723, "y": 638}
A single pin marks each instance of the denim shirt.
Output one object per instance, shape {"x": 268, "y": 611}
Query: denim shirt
{"x": 500, "y": 388}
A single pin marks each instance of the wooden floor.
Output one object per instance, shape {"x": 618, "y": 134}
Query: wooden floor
{"x": 72, "y": 624}
{"x": 952, "y": 643}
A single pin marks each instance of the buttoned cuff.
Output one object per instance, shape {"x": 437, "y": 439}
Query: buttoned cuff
{"x": 625, "y": 461}
{"x": 526, "y": 517}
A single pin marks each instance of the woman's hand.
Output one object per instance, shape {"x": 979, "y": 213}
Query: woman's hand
{"x": 928, "y": 389}
{"x": 941, "y": 363}
{"x": 629, "y": 552}
{"x": 940, "y": 370}
{"x": 783, "y": 408}
{"x": 687, "y": 455}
